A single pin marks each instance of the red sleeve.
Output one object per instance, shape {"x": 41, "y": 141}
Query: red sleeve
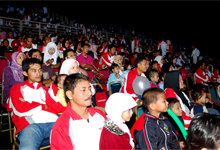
{"x": 128, "y": 86}
{"x": 19, "y": 48}
{"x": 23, "y": 108}
{"x": 41, "y": 49}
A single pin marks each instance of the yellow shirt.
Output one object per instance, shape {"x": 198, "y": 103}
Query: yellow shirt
{"x": 61, "y": 97}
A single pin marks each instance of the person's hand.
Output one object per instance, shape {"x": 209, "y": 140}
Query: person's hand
{"x": 49, "y": 61}
{"x": 206, "y": 70}
{"x": 21, "y": 99}
{"x": 46, "y": 106}
{"x": 182, "y": 144}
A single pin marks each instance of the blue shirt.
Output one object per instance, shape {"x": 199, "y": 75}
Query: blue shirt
{"x": 111, "y": 78}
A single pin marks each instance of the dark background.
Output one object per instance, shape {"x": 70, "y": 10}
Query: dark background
{"x": 186, "y": 22}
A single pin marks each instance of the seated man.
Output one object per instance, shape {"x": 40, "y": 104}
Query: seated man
{"x": 108, "y": 57}
{"x": 86, "y": 61}
{"x": 46, "y": 40}
{"x": 80, "y": 122}
{"x": 33, "y": 114}
{"x": 28, "y": 44}
{"x": 49, "y": 75}
{"x": 140, "y": 68}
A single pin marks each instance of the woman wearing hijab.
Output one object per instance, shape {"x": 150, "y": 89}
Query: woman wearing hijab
{"x": 167, "y": 67}
{"x": 71, "y": 66}
{"x": 160, "y": 61}
{"x": 93, "y": 52}
{"x": 12, "y": 74}
{"x": 115, "y": 133}
{"x": 118, "y": 59}
{"x": 50, "y": 57}
{"x": 174, "y": 84}
{"x": 3, "y": 35}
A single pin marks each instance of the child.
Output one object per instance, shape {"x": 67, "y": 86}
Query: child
{"x": 175, "y": 106}
{"x": 127, "y": 67}
{"x": 114, "y": 76}
{"x": 152, "y": 130}
{"x": 203, "y": 132}
{"x": 116, "y": 134}
{"x": 154, "y": 78}
{"x": 161, "y": 81}
{"x": 198, "y": 104}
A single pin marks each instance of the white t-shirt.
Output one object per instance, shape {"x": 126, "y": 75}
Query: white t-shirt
{"x": 195, "y": 54}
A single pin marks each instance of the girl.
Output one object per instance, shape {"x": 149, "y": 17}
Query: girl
{"x": 115, "y": 133}
{"x": 12, "y": 74}
{"x": 198, "y": 105}
{"x": 93, "y": 52}
{"x": 65, "y": 45}
{"x": 127, "y": 67}
{"x": 118, "y": 59}
{"x": 114, "y": 76}
{"x": 51, "y": 57}
{"x": 160, "y": 61}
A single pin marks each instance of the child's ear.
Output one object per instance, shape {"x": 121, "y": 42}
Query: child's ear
{"x": 151, "y": 106}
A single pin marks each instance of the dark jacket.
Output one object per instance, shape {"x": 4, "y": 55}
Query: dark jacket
{"x": 151, "y": 133}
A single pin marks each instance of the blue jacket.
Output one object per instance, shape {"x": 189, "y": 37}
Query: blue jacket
{"x": 151, "y": 133}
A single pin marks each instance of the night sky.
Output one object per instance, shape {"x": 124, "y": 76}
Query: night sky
{"x": 182, "y": 22}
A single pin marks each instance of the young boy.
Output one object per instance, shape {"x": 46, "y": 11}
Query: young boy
{"x": 154, "y": 78}
{"x": 175, "y": 106}
{"x": 114, "y": 76}
{"x": 152, "y": 130}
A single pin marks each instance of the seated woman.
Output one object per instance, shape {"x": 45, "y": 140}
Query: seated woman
{"x": 12, "y": 74}
{"x": 4, "y": 46}
{"x": 118, "y": 59}
{"x": 51, "y": 58}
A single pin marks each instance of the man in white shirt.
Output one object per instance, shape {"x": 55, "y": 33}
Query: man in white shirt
{"x": 195, "y": 54}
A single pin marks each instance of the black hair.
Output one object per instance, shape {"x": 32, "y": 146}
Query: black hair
{"x": 44, "y": 37}
{"x": 111, "y": 46}
{"x": 5, "y": 40}
{"x": 29, "y": 36}
{"x": 63, "y": 43}
{"x": 113, "y": 66}
{"x": 58, "y": 78}
{"x": 139, "y": 59}
{"x": 171, "y": 101}
{"x": 152, "y": 73}
{"x": 84, "y": 44}
{"x": 127, "y": 63}
{"x": 150, "y": 95}
{"x": 66, "y": 52}
{"x": 200, "y": 63}
{"x": 30, "y": 53}
{"x": 71, "y": 81}
{"x": 29, "y": 61}
{"x": 76, "y": 45}
{"x": 203, "y": 132}
{"x": 198, "y": 86}
{"x": 196, "y": 94}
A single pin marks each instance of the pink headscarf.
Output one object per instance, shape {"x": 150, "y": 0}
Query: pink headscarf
{"x": 16, "y": 68}
{"x": 3, "y": 32}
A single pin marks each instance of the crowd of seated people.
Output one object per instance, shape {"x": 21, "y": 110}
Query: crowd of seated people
{"x": 41, "y": 88}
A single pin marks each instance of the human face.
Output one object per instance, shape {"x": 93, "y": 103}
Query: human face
{"x": 143, "y": 66}
{"x": 177, "y": 110}
{"x": 129, "y": 67}
{"x": 112, "y": 51}
{"x": 126, "y": 115}
{"x": 155, "y": 66}
{"x": 5, "y": 43}
{"x": 37, "y": 55}
{"x": 71, "y": 55}
{"x": 85, "y": 49}
{"x": 181, "y": 84}
{"x": 162, "y": 60}
{"x": 155, "y": 78}
{"x": 161, "y": 105}
{"x": 202, "y": 99}
{"x": 29, "y": 42}
{"x": 79, "y": 46}
{"x": 4, "y": 35}
{"x": 174, "y": 60}
{"x": 20, "y": 58}
{"x": 67, "y": 44}
{"x": 120, "y": 60}
{"x": 34, "y": 73}
{"x": 116, "y": 70}
{"x": 74, "y": 68}
{"x": 82, "y": 95}
{"x": 10, "y": 34}
{"x": 60, "y": 84}
{"x": 203, "y": 66}
{"x": 47, "y": 40}
{"x": 51, "y": 50}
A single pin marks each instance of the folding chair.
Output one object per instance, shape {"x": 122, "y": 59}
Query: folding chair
{"x": 114, "y": 87}
{"x": 4, "y": 63}
{"x": 138, "y": 110}
{"x": 9, "y": 115}
{"x": 8, "y": 54}
{"x": 16, "y": 143}
{"x": 211, "y": 90}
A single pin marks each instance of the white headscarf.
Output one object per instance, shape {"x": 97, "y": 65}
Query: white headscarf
{"x": 48, "y": 56}
{"x": 116, "y": 104}
{"x": 158, "y": 59}
{"x": 64, "y": 69}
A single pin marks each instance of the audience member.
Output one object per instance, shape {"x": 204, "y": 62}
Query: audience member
{"x": 33, "y": 114}
{"x": 114, "y": 76}
{"x": 118, "y": 59}
{"x": 5, "y": 46}
{"x": 154, "y": 78}
{"x": 13, "y": 74}
{"x": 28, "y": 45}
{"x": 160, "y": 61}
{"x": 45, "y": 40}
{"x": 80, "y": 122}
{"x": 174, "y": 85}
{"x": 201, "y": 74}
{"x": 140, "y": 68}
{"x": 115, "y": 133}
{"x": 77, "y": 47}
{"x": 146, "y": 131}
{"x": 127, "y": 68}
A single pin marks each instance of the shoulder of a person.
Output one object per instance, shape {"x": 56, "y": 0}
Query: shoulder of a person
{"x": 93, "y": 110}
